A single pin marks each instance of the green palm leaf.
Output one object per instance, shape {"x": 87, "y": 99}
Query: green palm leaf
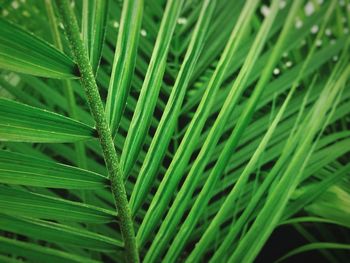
{"x": 23, "y": 52}
{"x": 150, "y": 88}
{"x": 58, "y": 233}
{"x": 124, "y": 61}
{"x": 23, "y": 123}
{"x": 38, "y": 253}
{"x": 19, "y": 169}
{"x": 26, "y": 203}
{"x": 181, "y": 131}
{"x": 95, "y": 17}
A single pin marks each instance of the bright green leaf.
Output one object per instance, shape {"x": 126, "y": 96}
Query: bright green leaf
{"x": 23, "y": 52}
{"x": 23, "y": 123}
{"x": 22, "y": 169}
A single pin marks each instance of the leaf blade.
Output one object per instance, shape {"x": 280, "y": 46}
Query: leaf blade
{"x": 23, "y": 52}
{"x": 124, "y": 61}
{"x": 19, "y": 169}
{"x": 58, "y": 233}
{"x": 23, "y": 123}
{"x": 150, "y": 88}
{"x": 38, "y": 253}
{"x": 94, "y": 18}
{"x": 26, "y": 203}
{"x": 166, "y": 126}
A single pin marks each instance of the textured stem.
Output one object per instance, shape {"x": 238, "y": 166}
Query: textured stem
{"x": 96, "y": 107}
{"x": 68, "y": 89}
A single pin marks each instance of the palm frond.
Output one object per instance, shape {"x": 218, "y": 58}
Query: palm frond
{"x": 174, "y": 131}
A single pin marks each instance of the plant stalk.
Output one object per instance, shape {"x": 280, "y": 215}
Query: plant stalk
{"x": 96, "y": 107}
{"x": 68, "y": 90}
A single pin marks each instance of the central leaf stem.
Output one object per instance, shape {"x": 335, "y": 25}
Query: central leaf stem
{"x": 96, "y": 107}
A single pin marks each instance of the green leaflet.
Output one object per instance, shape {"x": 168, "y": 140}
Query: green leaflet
{"x": 295, "y": 37}
{"x": 23, "y": 52}
{"x": 124, "y": 61}
{"x": 23, "y": 123}
{"x": 226, "y": 208}
{"x": 94, "y": 19}
{"x": 249, "y": 211}
{"x": 199, "y": 129}
{"x": 313, "y": 219}
{"x": 205, "y": 194}
{"x": 26, "y": 203}
{"x": 146, "y": 103}
{"x": 168, "y": 121}
{"x": 58, "y": 233}
{"x": 238, "y": 60}
{"x": 313, "y": 246}
{"x": 22, "y": 169}
{"x": 309, "y": 194}
{"x": 279, "y": 85}
{"x": 333, "y": 204}
{"x": 180, "y": 160}
{"x": 182, "y": 198}
{"x": 40, "y": 254}
{"x": 265, "y": 222}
